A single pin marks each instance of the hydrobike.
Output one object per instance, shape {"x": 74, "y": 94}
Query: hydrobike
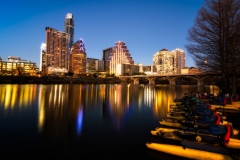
{"x": 208, "y": 136}
{"x": 194, "y": 151}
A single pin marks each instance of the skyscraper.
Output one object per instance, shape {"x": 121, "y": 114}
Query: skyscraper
{"x": 165, "y": 62}
{"x": 181, "y": 59}
{"x": 42, "y": 57}
{"x": 78, "y": 58}
{"x": 57, "y": 49}
{"x": 69, "y": 29}
{"x": 119, "y": 55}
{"x": 106, "y": 53}
{"x": 169, "y": 62}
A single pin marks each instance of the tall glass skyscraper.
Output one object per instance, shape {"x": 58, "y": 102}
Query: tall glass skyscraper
{"x": 69, "y": 28}
{"x": 42, "y": 56}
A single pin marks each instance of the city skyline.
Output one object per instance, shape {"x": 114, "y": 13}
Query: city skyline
{"x": 145, "y": 26}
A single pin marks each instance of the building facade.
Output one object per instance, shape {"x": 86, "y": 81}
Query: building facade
{"x": 164, "y": 61}
{"x": 127, "y": 69}
{"x": 119, "y": 55}
{"x": 99, "y": 65}
{"x": 147, "y": 69}
{"x": 191, "y": 70}
{"x": 57, "y": 49}
{"x": 94, "y": 65}
{"x": 78, "y": 58}
{"x": 42, "y": 63}
{"x": 16, "y": 66}
{"x": 69, "y": 29}
{"x": 169, "y": 62}
{"x": 91, "y": 65}
{"x": 106, "y": 53}
{"x": 180, "y": 59}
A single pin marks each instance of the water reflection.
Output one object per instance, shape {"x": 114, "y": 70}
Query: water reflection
{"x": 79, "y": 121}
{"x": 17, "y": 96}
{"x": 62, "y": 109}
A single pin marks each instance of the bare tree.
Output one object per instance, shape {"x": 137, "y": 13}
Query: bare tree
{"x": 214, "y": 40}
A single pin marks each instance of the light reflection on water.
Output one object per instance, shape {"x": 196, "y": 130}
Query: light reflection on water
{"x": 19, "y": 96}
{"x": 76, "y": 110}
{"x": 55, "y": 101}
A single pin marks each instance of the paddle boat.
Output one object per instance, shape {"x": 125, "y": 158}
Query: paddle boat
{"x": 216, "y": 136}
{"x": 187, "y": 152}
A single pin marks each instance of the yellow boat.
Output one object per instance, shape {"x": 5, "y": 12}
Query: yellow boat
{"x": 233, "y": 142}
{"x": 166, "y": 129}
{"x": 236, "y": 103}
{"x": 228, "y": 106}
{"x": 187, "y": 152}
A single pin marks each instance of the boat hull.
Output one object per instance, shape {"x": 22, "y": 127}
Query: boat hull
{"x": 178, "y": 135}
{"x": 187, "y": 152}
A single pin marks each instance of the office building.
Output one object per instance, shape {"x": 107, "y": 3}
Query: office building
{"x": 191, "y": 70}
{"x": 180, "y": 59}
{"x": 58, "y": 48}
{"x": 42, "y": 57}
{"x": 16, "y": 66}
{"x": 69, "y": 29}
{"x": 57, "y": 56}
{"x": 164, "y": 61}
{"x": 119, "y": 55}
{"x": 106, "y": 53}
{"x": 127, "y": 69}
{"x": 78, "y": 58}
{"x": 91, "y": 65}
{"x": 94, "y": 65}
{"x": 99, "y": 65}
{"x": 169, "y": 62}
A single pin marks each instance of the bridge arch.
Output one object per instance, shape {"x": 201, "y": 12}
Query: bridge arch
{"x": 198, "y": 78}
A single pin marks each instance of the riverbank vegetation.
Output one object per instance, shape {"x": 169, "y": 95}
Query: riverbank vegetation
{"x": 214, "y": 41}
{"x": 57, "y": 80}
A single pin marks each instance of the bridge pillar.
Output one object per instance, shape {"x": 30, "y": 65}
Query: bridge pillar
{"x": 200, "y": 83}
{"x": 151, "y": 81}
{"x": 124, "y": 80}
{"x": 135, "y": 80}
{"x": 172, "y": 82}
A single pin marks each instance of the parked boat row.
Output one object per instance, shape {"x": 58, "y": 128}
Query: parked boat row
{"x": 199, "y": 129}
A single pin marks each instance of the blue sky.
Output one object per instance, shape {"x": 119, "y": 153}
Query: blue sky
{"x": 146, "y": 26}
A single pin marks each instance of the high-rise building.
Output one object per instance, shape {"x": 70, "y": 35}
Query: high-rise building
{"x": 106, "y": 53}
{"x": 164, "y": 61}
{"x": 94, "y": 65}
{"x": 99, "y": 65}
{"x": 181, "y": 59}
{"x": 169, "y": 62}
{"x": 57, "y": 54}
{"x": 69, "y": 28}
{"x": 119, "y": 55}
{"x": 91, "y": 65}
{"x": 42, "y": 57}
{"x": 78, "y": 58}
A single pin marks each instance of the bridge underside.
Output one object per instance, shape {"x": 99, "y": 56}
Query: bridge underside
{"x": 171, "y": 80}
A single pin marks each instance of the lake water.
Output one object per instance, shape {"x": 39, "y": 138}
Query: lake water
{"x": 84, "y": 121}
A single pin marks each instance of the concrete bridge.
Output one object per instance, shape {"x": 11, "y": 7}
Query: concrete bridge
{"x": 200, "y": 77}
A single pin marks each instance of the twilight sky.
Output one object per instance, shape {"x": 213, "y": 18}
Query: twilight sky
{"x": 146, "y": 26}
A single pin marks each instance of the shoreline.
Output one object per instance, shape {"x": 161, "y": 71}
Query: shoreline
{"x": 56, "y": 80}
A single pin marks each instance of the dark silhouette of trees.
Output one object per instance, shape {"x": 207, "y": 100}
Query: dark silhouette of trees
{"x": 214, "y": 40}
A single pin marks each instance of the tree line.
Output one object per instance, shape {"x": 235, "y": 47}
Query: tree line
{"x": 214, "y": 41}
